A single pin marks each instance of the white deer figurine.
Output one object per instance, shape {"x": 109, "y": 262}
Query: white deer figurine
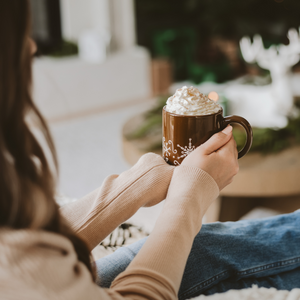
{"x": 267, "y": 106}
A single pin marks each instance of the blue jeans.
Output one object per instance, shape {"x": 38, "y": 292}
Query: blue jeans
{"x": 231, "y": 255}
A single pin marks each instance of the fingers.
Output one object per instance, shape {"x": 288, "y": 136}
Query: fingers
{"x": 229, "y": 151}
{"x": 217, "y": 141}
{"x": 229, "y": 148}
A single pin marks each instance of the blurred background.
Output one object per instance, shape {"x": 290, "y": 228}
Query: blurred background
{"x": 105, "y": 68}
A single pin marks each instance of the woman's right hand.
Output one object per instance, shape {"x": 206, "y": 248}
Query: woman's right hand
{"x": 218, "y": 157}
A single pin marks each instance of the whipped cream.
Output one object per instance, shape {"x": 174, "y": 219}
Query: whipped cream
{"x": 189, "y": 101}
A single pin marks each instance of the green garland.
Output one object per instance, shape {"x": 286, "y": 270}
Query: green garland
{"x": 265, "y": 140}
{"x": 268, "y": 140}
{"x": 66, "y": 48}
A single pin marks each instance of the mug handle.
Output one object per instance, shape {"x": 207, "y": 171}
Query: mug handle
{"x": 248, "y": 129}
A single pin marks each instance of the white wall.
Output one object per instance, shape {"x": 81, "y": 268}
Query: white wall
{"x": 116, "y": 16}
{"x": 81, "y": 15}
{"x": 122, "y": 24}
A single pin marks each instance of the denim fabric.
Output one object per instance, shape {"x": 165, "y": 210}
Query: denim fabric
{"x": 231, "y": 255}
{"x": 110, "y": 266}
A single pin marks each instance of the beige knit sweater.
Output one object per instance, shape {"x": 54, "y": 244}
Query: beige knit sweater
{"x": 43, "y": 265}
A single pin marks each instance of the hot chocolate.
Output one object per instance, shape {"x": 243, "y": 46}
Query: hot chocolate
{"x": 189, "y": 101}
{"x": 190, "y": 119}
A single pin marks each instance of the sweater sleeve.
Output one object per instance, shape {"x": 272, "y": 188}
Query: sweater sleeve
{"x": 120, "y": 196}
{"x": 157, "y": 270}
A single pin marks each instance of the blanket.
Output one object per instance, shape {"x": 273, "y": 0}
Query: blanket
{"x": 254, "y": 293}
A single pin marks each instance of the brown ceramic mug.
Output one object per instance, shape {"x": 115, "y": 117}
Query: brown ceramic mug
{"x": 184, "y": 133}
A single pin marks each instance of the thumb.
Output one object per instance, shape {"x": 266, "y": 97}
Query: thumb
{"x": 217, "y": 141}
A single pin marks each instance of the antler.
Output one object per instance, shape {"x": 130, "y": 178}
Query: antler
{"x": 251, "y": 51}
{"x": 294, "y": 38}
{"x": 255, "y": 52}
{"x": 292, "y": 50}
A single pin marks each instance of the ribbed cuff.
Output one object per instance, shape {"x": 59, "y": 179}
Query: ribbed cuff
{"x": 190, "y": 180}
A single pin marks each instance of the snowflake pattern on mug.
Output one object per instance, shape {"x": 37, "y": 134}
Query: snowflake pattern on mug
{"x": 186, "y": 150}
{"x": 169, "y": 150}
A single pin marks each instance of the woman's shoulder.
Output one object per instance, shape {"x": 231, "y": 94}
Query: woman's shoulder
{"x": 33, "y": 251}
{"x": 42, "y": 263}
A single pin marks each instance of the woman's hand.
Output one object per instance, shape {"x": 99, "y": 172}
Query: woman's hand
{"x": 218, "y": 157}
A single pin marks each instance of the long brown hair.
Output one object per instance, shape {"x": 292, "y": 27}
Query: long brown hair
{"x": 27, "y": 184}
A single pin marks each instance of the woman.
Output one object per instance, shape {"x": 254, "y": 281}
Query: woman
{"x": 43, "y": 257}
{"x": 44, "y": 251}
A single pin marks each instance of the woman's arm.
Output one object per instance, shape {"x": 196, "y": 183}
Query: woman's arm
{"x": 120, "y": 196}
{"x": 158, "y": 267}
{"x": 156, "y": 271}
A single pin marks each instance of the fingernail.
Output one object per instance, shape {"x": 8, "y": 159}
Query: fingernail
{"x": 227, "y": 130}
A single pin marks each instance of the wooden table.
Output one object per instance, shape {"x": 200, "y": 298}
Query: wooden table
{"x": 271, "y": 180}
